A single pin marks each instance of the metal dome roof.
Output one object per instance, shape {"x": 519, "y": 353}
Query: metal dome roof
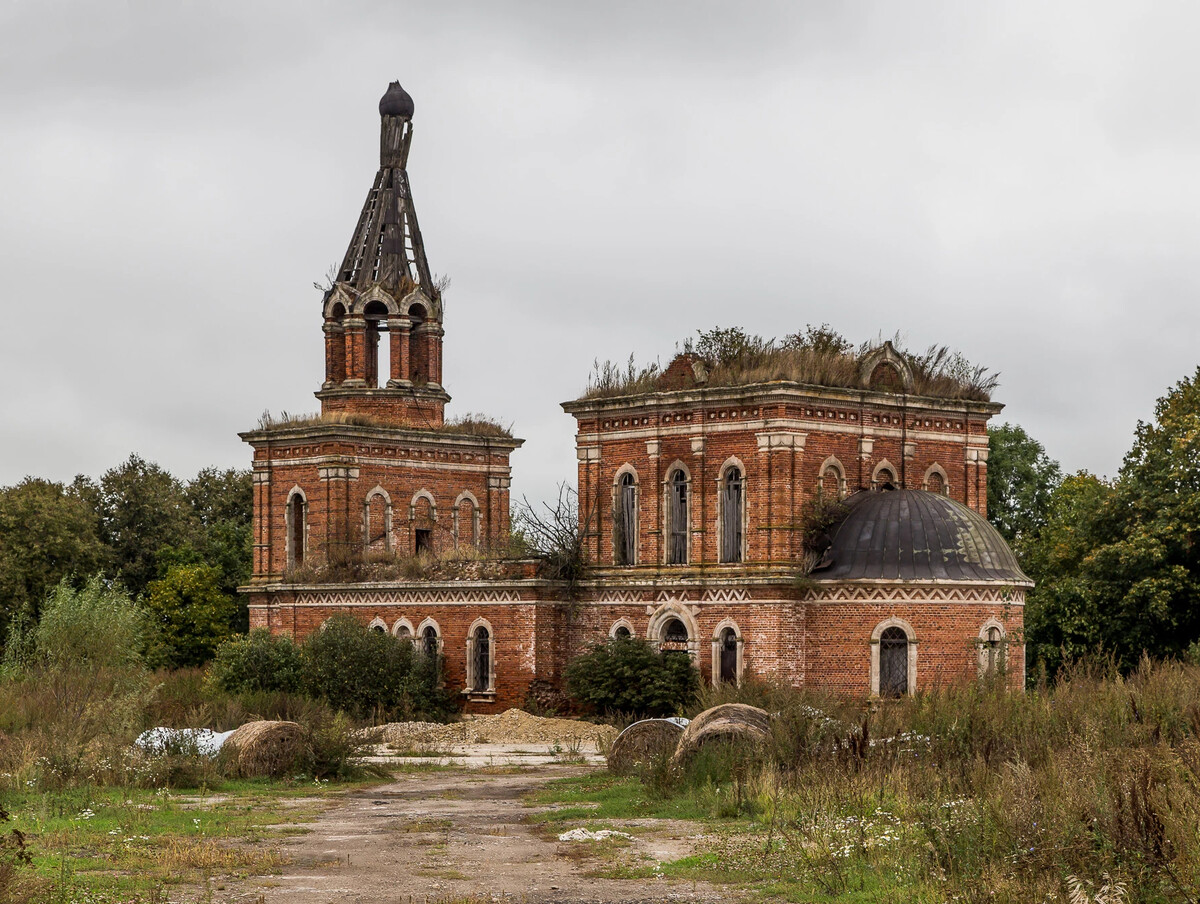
{"x": 396, "y": 102}
{"x": 914, "y": 535}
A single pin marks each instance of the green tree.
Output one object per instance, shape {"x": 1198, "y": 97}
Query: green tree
{"x": 629, "y": 675}
{"x": 47, "y": 532}
{"x": 258, "y": 661}
{"x": 143, "y": 511}
{"x": 1021, "y": 478}
{"x": 92, "y": 627}
{"x": 191, "y": 614}
{"x": 1062, "y": 617}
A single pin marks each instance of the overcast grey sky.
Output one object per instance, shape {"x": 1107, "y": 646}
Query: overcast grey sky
{"x": 1016, "y": 180}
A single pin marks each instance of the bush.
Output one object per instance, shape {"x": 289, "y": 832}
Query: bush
{"x": 629, "y": 675}
{"x": 93, "y": 628}
{"x": 191, "y": 613}
{"x": 371, "y": 673}
{"x": 258, "y": 661}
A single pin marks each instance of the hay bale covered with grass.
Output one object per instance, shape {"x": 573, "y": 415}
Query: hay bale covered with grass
{"x": 266, "y": 748}
{"x": 739, "y": 726}
{"x": 641, "y": 742}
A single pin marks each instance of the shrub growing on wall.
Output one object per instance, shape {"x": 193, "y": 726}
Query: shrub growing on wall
{"x": 630, "y": 675}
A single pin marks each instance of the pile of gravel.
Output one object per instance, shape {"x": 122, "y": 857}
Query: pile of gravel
{"x": 511, "y": 727}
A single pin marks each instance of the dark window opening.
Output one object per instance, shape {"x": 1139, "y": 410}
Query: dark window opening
{"x": 885, "y": 480}
{"x": 625, "y": 521}
{"x": 674, "y": 636}
{"x": 423, "y": 541}
{"x": 622, "y": 633}
{"x": 729, "y": 648}
{"x": 677, "y": 519}
{"x": 378, "y": 629}
{"x": 482, "y": 660}
{"x": 893, "y": 663}
{"x": 732, "y": 503}
{"x": 429, "y": 641}
{"x": 376, "y": 353}
{"x": 296, "y": 540}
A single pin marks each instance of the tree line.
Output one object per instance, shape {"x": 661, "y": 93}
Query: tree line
{"x": 180, "y": 548}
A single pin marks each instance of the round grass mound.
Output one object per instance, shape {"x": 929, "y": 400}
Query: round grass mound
{"x": 266, "y": 748}
{"x": 641, "y": 742}
{"x": 736, "y": 725}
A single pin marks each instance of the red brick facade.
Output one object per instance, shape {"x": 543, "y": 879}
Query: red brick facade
{"x": 723, "y": 572}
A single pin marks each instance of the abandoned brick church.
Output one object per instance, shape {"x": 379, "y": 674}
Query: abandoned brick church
{"x": 697, "y": 494}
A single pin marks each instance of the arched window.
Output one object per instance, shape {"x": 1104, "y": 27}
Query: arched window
{"x": 677, "y": 517}
{"x": 992, "y": 653}
{"x": 466, "y": 520}
{"x": 884, "y": 477}
{"x": 625, "y": 520}
{"x": 403, "y": 629}
{"x": 480, "y": 677}
{"x": 422, "y": 514}
{"x": 893, "y": 662}
{"x": 831, "y": 481}
{"x": 620, "y": 632}
{"x": 418, "y": 349}
{"x": 297, "y": 528}
{"x": 674, "y": 635}
{"x": 376, "y": 352}
{"x": 727, "y": 647}
{"x": 732, "y": 513}
{"x": 430, "y": 639}
{"x": 935, "y": 480}
{"x": 377, "y": 521}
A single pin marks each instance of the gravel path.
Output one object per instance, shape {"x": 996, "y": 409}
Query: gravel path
{"x": 457, "y": 836}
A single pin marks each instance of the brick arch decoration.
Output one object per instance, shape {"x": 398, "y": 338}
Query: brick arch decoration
{"x": 466, "y": 496}
{"x": 375, "y": 293}
{"x": 884, "y": 465}
{"x": 832, "y": 463}
{"x": 433, "y": 310}
{"x": 886, "y": 355}
{"x": 981, "y": 643}
{"x": 379, "y": 623}
{"x": 426, "y": 495}
{"x": 339, "y": 295}
{"x": 404, "y": 625}
{"x": 664, "y": 614}
{"x": 936, "y": 470}
{"x": 716, "y": 649}
{"x": 622, "y": 623}
{"x": 893, "y": 622}
{"x": 378, "y": 493}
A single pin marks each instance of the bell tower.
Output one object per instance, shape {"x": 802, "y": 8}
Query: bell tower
{"x": 383, "y": 315}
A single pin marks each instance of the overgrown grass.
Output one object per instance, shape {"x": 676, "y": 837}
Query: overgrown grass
{"x": 112, "y": 844}
{"x": 472, "y": 424}
{"x": 734, "y": 358}
{"x": 962, "y": 794}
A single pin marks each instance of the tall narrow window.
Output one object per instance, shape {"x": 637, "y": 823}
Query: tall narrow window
{"x": 893, "y": 663}
{"x": 481, "y": 660}
{"x": 423, "y": 542}
{"x": 677, "y": 518}
{"x": 625, "y": 521}
{"x": 429, "y": 641}
{"x": 732, "y": 513}
{"x": 993, "y": 652}
{"x": 376, "y": 351}
{"x": 296, "y": 530}
{"x": 729, "y": 656}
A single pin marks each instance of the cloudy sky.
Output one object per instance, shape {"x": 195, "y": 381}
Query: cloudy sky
{"x": 1016, "y": 180}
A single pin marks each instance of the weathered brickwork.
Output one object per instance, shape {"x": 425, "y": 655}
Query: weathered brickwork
{"x": 724, "y": 575}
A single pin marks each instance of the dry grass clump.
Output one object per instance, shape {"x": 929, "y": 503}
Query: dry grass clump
{"x": 471, "y": 424}
{"x": 741, "y": 727}
{"x": 817, "y": 356}
{"x": 266, "y": 748}
{"x": 641, "y": 743}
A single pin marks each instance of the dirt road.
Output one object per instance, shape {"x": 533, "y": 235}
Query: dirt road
{"x": 463, "y": 835}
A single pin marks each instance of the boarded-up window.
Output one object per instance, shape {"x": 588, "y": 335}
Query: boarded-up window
{"x": 935, "y": 483}
{"x": 732, "y": 513}
{"x": 831, "y": 482}
{"x": 625, "y": 515}
{"x": 677, "y": 519}
{"x": 893, "y": 663}
{"x": 466, "y": 523}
